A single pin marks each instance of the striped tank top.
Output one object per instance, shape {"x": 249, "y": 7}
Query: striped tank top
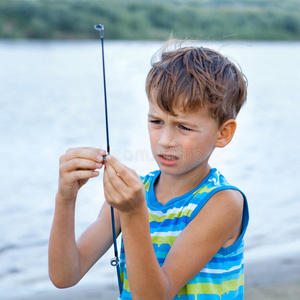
{"x": 223, "y": 277}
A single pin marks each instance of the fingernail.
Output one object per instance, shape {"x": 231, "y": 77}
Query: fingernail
{"x": 102, "y": 152}
{"x": 99, "y": 157}
{"x": 108, "y": 157}
{"x": 98, "y": 165}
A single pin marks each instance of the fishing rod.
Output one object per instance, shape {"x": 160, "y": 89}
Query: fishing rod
{"x": 114, "y": 261}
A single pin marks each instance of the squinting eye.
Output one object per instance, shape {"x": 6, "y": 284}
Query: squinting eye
{"x": 184, "y": 128}
{"x": 156, "y": 122}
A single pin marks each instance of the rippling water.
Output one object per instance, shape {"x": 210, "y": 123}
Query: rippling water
{"x": 52, "y": 99}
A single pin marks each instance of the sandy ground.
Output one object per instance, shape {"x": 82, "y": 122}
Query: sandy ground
{"x": 264, "y": 280}
{"x": 284, "y": 291}
{"x": 269, "y": 279}
{"x": 79, "y": 293}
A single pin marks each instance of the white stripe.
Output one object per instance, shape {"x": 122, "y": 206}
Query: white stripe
{"x": 168, "y": 233}
{"x": 174, "y": 210}
{"x": 219, "y": 271}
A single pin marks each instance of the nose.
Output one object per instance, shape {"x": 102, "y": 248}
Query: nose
{"x": 167, "y": 138}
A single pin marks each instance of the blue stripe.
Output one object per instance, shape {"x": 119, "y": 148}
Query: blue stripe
{"x": 161, "y": 261}
{"x": 169, "y": 222}
{"x": 162, "y": 248}
{"x": 234, "y": 295}
{"x": 228, "y": 258}
{"x": 199, "y": 297}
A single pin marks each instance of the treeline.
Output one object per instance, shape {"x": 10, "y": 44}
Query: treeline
{"x": 145, "y": 19}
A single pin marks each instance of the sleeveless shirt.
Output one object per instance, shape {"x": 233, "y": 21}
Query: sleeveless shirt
{"x": 223, "y": 277}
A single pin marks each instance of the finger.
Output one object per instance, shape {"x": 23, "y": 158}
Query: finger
{"x": 96, "y": 153}
{"x": 115, "y": 179}
{"x": 97, "y": 150}
{"x": 79, "y": 163}
{"x": 124, "y": 173}
{"x": 83, "y": 175}
{"x": 120, "y": 195}
{"x": 112, "y": 195}
{"x": 86, "y": 153}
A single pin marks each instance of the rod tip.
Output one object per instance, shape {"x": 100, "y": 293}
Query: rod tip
{"x": 99, "y": 27}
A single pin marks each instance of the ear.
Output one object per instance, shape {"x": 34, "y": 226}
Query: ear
{"x": 225, "y": 133}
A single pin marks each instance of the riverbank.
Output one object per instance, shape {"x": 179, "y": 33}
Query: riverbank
{"x": 273, "y": 279}
{"x": 286, "y": 291}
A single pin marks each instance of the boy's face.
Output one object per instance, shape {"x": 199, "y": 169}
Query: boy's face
{"x": 182, "y": 143}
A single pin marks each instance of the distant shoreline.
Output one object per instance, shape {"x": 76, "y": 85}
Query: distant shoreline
{"x": 155, "y": 20}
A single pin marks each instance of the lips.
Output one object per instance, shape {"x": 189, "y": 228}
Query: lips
{"x": 167, "y": 159}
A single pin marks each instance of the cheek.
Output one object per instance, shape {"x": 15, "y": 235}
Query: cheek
{"x": 153, "y": 137}
{"x": 198, "y": 146}
{"x": 192, "y": 150}
{"x": 190, "y": 143}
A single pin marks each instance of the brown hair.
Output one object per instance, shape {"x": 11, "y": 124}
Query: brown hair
{"x": 189, "y": 78}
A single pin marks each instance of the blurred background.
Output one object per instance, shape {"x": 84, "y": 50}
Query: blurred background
{"x": 51, "y": 97}
{"x": 147, "y": 19}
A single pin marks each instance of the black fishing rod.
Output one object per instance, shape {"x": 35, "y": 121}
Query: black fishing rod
{"x": 114, "y": 261}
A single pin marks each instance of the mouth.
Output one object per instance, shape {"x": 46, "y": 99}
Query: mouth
{"x": 167, "y": 159}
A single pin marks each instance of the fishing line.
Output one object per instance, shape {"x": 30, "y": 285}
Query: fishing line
{"x": 114, "y": 261}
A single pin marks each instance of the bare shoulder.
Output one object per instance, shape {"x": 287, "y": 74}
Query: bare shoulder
{"x": 228, "y": 205}
{"x": 228, "y": 200}
{"x": 224, "y": 213}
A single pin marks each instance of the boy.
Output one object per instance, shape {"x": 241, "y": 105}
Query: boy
{"x": 183, "y": 225}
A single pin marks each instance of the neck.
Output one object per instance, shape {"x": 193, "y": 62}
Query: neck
{"x": 168, "y": 186}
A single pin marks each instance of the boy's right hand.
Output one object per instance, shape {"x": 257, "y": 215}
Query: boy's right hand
{"x": 76, "y": 167}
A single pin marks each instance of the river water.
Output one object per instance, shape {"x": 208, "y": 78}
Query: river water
{"x": 51, "y": 97}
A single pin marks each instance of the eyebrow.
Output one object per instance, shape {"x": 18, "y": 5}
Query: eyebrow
{"x": 152, "y": 116}
{"x": 177, "y": 121}
{"x": 186, "y": 124}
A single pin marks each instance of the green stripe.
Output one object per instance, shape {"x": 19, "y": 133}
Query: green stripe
{"x": 212, "y": 289}
{"x": 147, "y": 185}
{"x": 126, "y": 285}
{"x": 203, "y": 190}
{"x": 155, "y": 218}
{"x": 159, "y": 240}
{"x": 233, "y": 285}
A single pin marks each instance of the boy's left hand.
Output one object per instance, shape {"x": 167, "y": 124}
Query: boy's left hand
{"x": 123, "y": 188}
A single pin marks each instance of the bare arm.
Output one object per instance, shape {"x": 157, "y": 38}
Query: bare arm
{"x": 217, "y": 224}
{"x": 70, "y": 260}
